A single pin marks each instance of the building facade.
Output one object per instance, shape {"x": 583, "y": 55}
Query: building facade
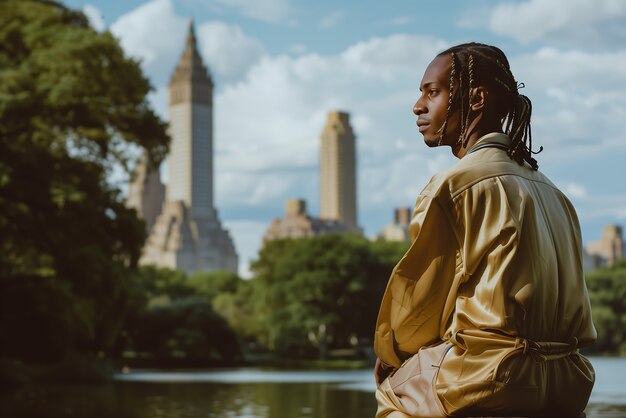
{"x": 398, "y": 230}
{"x": 297, "y": 223}
{"x": 610, "y": 247}
{"x": 187, "y": 234}
{"x": 146, "y": 192}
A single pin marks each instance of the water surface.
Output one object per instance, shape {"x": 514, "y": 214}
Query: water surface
{"x": 250, "y": 393}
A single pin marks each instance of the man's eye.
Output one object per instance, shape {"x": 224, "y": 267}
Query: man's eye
{"x": 432, "y": 93}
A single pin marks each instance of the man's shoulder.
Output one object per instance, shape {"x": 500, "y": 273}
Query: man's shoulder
{"x": 476, "y": 169}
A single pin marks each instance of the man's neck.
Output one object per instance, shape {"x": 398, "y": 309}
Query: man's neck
{"x": 476, "y": 130}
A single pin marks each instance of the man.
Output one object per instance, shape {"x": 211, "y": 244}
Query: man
{"x": 486, "y": 311}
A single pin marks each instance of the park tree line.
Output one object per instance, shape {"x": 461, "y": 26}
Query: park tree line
{"x": 607, "y": 290}
{"x": 307, "y": 296}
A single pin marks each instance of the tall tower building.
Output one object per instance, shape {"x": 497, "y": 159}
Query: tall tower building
{"x": 338, "y": 171}
{"x": 187, "y": 234}
{"x": 191, "y": 124}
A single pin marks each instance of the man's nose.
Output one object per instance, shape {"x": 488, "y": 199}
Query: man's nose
{"x": 418, "y": 107}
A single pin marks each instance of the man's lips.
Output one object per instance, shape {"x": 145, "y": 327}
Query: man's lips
{"x": 422, "y": 124}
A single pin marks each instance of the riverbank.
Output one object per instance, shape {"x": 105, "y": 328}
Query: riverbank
{"x": 86, "y": 371}
{"x": 74, "y": 370}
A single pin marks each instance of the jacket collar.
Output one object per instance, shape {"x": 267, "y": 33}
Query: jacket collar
{"x": 498, "y": 139}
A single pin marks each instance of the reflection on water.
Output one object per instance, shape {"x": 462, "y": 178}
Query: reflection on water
{"x": 192, "y": 400}
{"x": 249, "y": 393}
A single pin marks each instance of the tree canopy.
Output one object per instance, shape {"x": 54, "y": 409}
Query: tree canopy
{"x": 72, "y": 105}
{"x": 322, "y": 291}
{"x": 607, "y": 291}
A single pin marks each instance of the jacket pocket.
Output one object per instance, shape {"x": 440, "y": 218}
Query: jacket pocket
{"x": 500, "y": 389}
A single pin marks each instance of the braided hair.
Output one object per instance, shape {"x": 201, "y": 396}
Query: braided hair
{"x": 474, "y": 64}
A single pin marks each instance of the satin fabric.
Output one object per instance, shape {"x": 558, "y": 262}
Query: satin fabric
{"x": 495, "y": 267}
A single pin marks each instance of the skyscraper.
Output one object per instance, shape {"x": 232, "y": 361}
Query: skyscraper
{"x": 187, "y": 234}
{"x": 338, "y": 171}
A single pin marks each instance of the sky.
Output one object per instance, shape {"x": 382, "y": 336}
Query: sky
{"x": 279, "y": 66}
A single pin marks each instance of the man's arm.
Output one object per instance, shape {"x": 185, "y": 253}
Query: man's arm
{"x": 411, "y": 310}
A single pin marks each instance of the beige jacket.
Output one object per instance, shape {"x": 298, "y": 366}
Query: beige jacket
{"x": 495, "y": 267}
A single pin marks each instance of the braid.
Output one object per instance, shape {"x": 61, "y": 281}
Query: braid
{"x": 442, "y": 130}
{"x": 476, "y": 64}
{"x": 520, "y": 133}
{"x": 466, "y": 120}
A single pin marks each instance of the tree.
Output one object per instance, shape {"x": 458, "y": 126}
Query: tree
{"x": 233, "y": 298}
{"x": 607, "y": 291}
{"x": 384, "y": 256}
{"x": 318, "y": 292}
{"x": 211, "y": 284}
{"x": 71, "y": 106}
{"x": 186, "y": 328}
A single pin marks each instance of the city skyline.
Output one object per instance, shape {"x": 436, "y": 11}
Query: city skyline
{"x": 279, "y": 66}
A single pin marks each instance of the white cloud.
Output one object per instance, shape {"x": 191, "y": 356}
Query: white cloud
{"x": 139, "y": 35}
{"x": 272, "y": 11}
{"x": 612, "y": 206}
{"x": 574, "y": 22}
{"x": 579, "y": 100}
{"x": 575, "y": 190}
{"x": 551, "y": 67}
{"x": 397, "y": 21}
{"x": 95, "y": 17}
{"x": 227, "y": 50}
{"x": 298, "y": 48}
{"x": 332, "y": 19}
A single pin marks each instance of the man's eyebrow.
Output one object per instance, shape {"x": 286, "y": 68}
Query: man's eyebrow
{"x": 426, "y": 85}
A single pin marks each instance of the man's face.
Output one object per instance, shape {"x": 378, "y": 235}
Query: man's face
{"x": 432, "y": 105}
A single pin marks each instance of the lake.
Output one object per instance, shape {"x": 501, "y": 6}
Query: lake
{"x": 250, "y": 393}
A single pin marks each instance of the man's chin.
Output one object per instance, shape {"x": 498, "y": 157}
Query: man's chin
{"x": 431, "y": 142}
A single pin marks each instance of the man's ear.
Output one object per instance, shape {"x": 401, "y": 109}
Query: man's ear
{"x": 479, "y": 98}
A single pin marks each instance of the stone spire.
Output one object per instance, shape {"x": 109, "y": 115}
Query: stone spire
{"x": 190, "y": 69}
{"x": 188, "y": 234}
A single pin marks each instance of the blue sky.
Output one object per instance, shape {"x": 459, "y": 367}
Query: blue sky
{"x": 281, "y": 65}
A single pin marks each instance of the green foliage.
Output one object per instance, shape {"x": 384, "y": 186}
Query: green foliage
{"x": 239, "y": 308}
{"x": 214, "y": 283}
{"x": 71, "y": 104}
{"x": 316, "y": 292}
{"x": 607, "y": 291}
{"x": 186, "y": 327}
{"x": 307, "y": 296}
{"x": 162, "y": 284}
{"x": 172, "y": 320}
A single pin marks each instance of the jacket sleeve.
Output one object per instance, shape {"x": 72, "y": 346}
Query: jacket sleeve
{"x": 411, "y": 310}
